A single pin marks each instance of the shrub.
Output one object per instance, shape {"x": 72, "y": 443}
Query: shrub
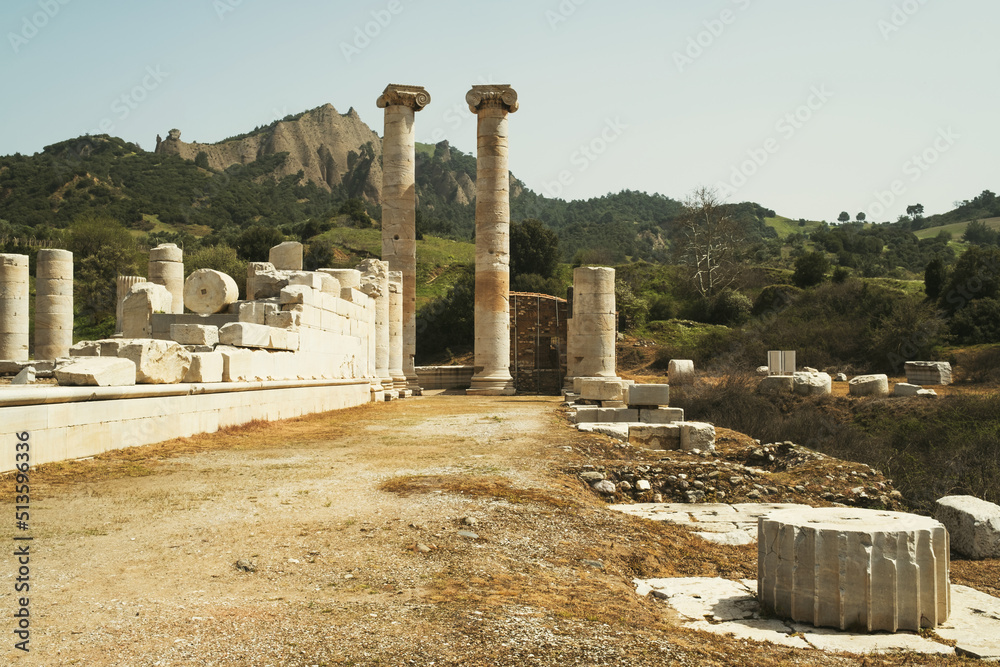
{"x": 730, "y": 308}
{"x": 220, "y": 258}
{"x": 774, "y": 298}
{"x": 978, "y": 322}
{"x": 810, "y": 269}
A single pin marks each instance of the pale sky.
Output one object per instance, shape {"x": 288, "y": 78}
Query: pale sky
{"x": 808, "y": 107}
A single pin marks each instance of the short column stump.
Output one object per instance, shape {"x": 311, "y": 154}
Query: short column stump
{"x": 854, "y": 569}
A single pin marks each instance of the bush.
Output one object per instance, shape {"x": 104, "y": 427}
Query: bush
{"x": 220, "y": 258}
{"x": 633, "y": 311}
{"x": 730, "y": 308}
{"x": 978, "y": 322}
{"x": 662, "y": 308}
{"x": 810, "y": 269}
{"x": 774, "y": 299}
{"x": 840, "y": 275}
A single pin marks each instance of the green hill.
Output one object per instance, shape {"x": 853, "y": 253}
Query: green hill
{"x": 956, "y": 229}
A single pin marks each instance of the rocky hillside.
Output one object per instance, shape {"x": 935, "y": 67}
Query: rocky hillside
{"x": 329, "y": 148}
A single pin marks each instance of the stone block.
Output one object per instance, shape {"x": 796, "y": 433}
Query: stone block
{"x": 207, "y": 292}
{"x": 869, "y": 385}
{"x": 157, "y": 361}
{"x": 647, "y": 394}
{"x": 235, "y": 363}
{"x": 661, "y": 416}
{"x": 282, "y": 339}
{"x": 86, "y": 348}
{"x": 904, "y": 389}
{"x": 352, "y": 295}
{"x": 205, "y": 367}
{"x": 655, "y": 436}
{"x": 309, "y": 279}
{"x": 697, "y": 435}
{"x": 286, "y": 256}
{"x": 284, "y": 319}
{"x": 194, "y": 334}
{"x": 598, "y": 389}
{"x": 589, "y": 414}
{"x": 973, "y": 525}
{"x": 854, "y": 569}
{"x": 199, "y": 349}
{"x": 776, "y": 384}
{"x": 266, "y": 283}
{"x": 330, "y": 285}
{"x": 763, "y": 371}
{"x": 928, "y": 372}
{"x": 110, "y": 347}
{"x": 346, "y": 277}
{"x": 297, "y": 294}
{"x": 256, "y": 312}
{"x": 244, "y": 334}
{"x": 97, "y": 372}
{"x": 812, "y": 383}
{"x": 138, "y": 307}
{"x": 680, "y": 371}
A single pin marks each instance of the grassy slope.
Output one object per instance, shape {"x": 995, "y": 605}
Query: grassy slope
{"x": 786, "y": 226}
{"x": 956, "y": 229}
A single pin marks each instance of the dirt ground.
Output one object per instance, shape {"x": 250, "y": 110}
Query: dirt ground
{"x": 439, "y": 530}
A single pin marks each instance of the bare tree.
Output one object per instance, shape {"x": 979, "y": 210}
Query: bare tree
{"x": 708, "y": 241}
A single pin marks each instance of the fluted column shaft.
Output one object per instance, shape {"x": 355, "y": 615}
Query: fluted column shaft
{"x": 593, "y": 328}
{"x": 396, "y": 330}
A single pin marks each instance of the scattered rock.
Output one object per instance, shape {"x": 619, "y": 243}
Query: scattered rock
{"x": 244, "y": 565}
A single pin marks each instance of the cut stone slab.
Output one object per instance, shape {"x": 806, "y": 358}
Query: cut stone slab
{"x": 829, "y": 639}
{"x": 927, "y": 372}
{"x": 647, "y": 394}
{"x": 157, "y": 361}
{"x": 714, "y": 522}
{"x": 207, "y": 291}
{"x": 616, "y": 431}
{"x": 236, "y": 363}
{"x": 96, "y": 372}
{"x": 589, "y": 414}
{"x": 973, "y": 525}
{"x": 869, "y": 385}
{"x": 854, "y": 568}
{"x": 974, "y": 624}
{"x": 776, "y": 384}
{"x": 194, "y": 334}
{"x": 244, "y": 334}
{"x": 697, "y": 435}
{"x": 812, "y": 384}
{"x": 257, "y": 312}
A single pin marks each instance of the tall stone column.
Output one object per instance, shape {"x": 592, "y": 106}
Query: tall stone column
{"x": 592, "y": 330}
{"x": 492, "y": 104}
{"x": 14, "y": 307}
{"x": 166, "y": 267}
{"x": 375, "y": 283}
{"x": 399, "y": 205}
{"x": 123, "y": 285}
{"x": 53, "y": 304}
{"x": 396, "y": 333}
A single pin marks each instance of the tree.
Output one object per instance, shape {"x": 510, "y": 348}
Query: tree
{"x": 255, "y": 243}
{"x": 935, "y": 276}
{"x": 860, "y": 217}
{"x": 976, "y": 275}
{"x": 915, "y": 210}
{"x": 220, "y": 258}
{"x": 102, "y": 250}
{"x": 708, "y": 242}
{"x": 534, "y": 248}
{"x": 201, "y": 160}
{"x": 810, "y": 269}
{"x": 978, "y": 233}
{"x": 844, "y": 216}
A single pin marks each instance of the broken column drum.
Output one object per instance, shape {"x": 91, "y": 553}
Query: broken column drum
{"x": 854, "y": 569}
{"x": 399, "y": 205}
{"x": 53, "y": 304}
{"x": 593, "y": 326}
{"x": 492, "y": 104}
{"x": 123, "y": 285}
{"x": 375, "y": 283}
{"x": 166, "y": 267}
{"x": 396, "y": 330}
{"x": 14, "y": 307}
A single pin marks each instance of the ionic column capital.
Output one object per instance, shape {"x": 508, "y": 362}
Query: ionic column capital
{"x": 492, "y": 95}
{"x": 415, "y": 97}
